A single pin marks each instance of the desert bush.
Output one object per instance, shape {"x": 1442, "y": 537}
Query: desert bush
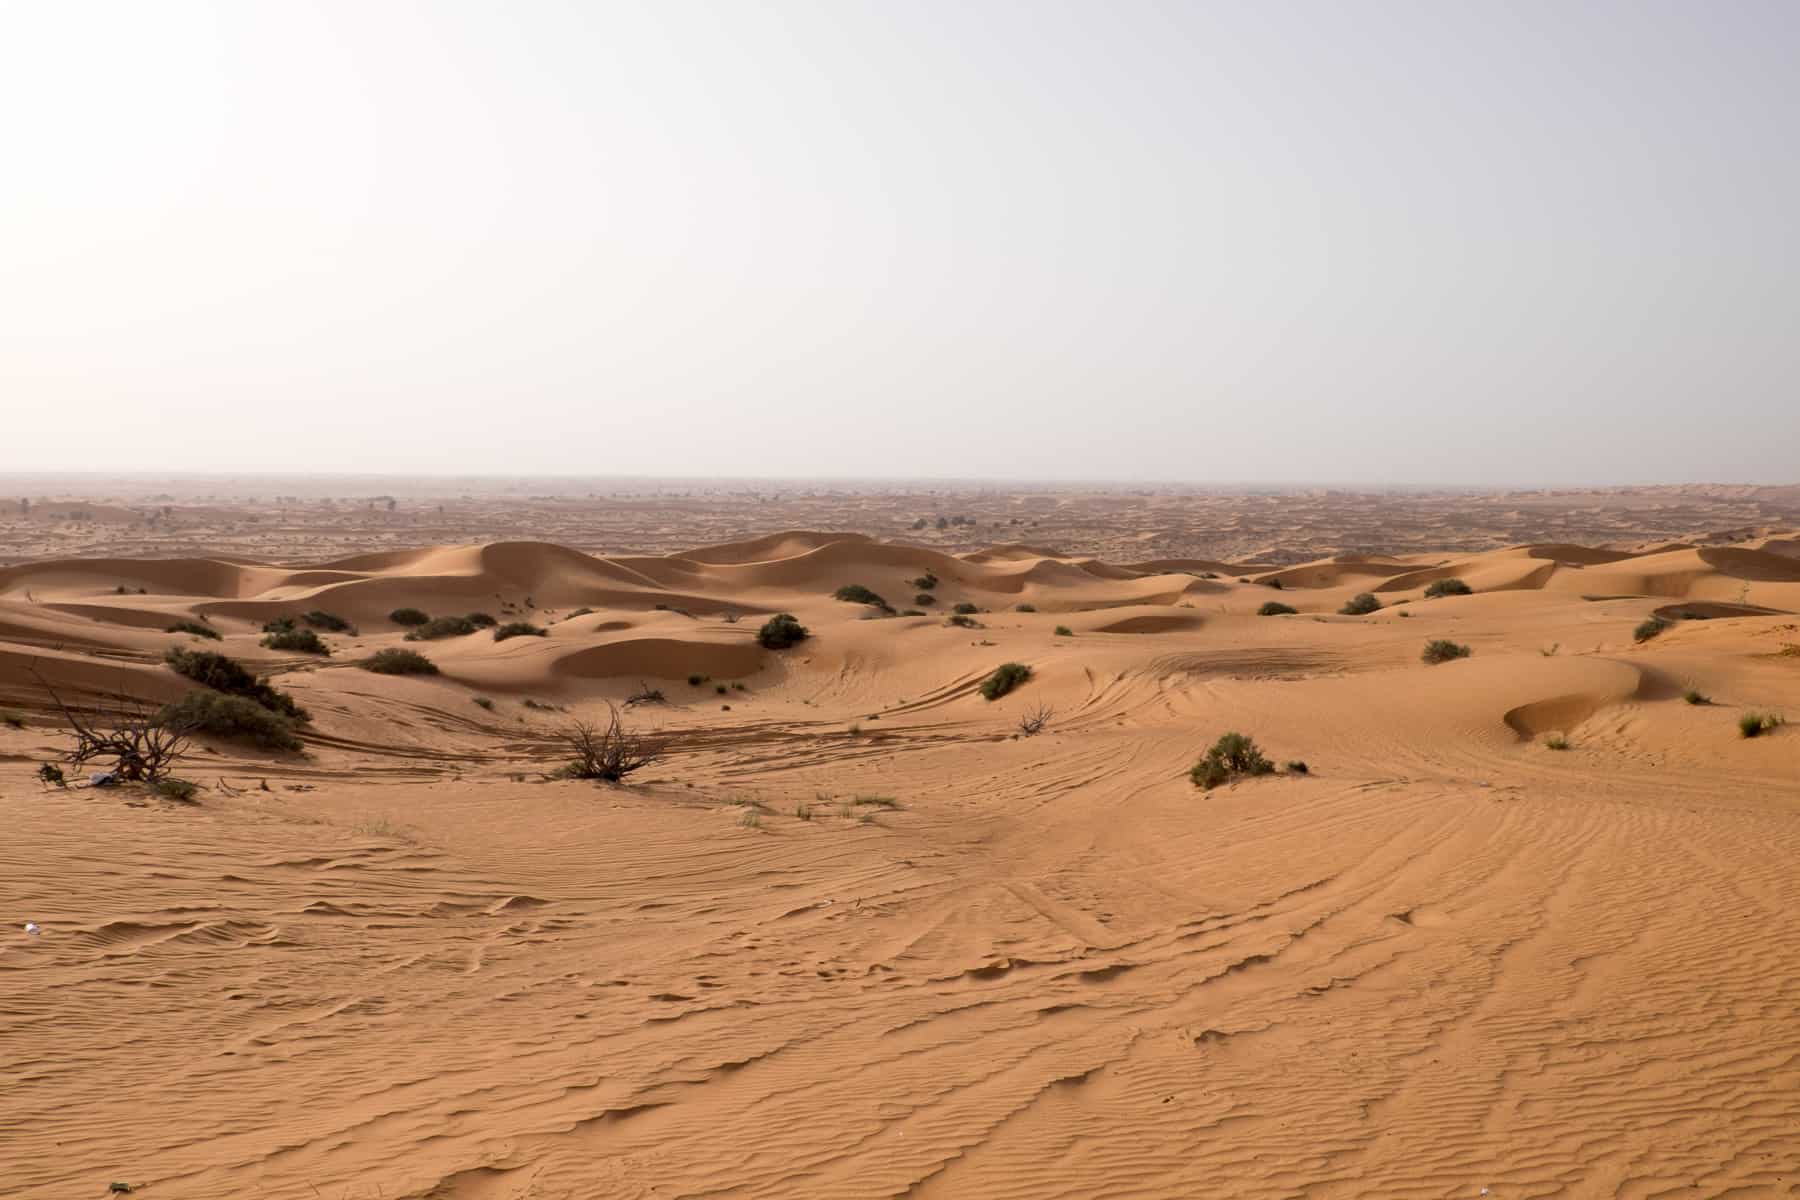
{"x": 646, "y": 695}
{"x": 720, "y": 688}
{"x": 962, "y": 621}
{"x": 195, "y": 628}
{"x": 481, "y": 620}
{"x": 856, "y": 593}
{"x": 1005, "y": 678}
{"x": 483, "y": 701}
{"x": 1297, "y": 766}
{"x": 926, "y": 582}
{"x": 236, "y": 718}
{"x": 1446, "y": 587}
{"x": 965, "y": 609}
{"x": 1692, "y": 696}
{"x": 51, "y": 775}
{"x": 1442, "y": 650}
{"x": 227, "y": 675}
{"x": 176, "y": 789}
{"x": 278, "y": 625}
{"x": 1276, "y": 608}
{"x": 609, "y": 752}
{"x": 1063, "y": 631}
{"x": 395, "y": 661}
{"x": 580, "y": 612}
{"x": 11, "y": 719}
{"x": 1360, "y": 605}
{"x": 440, "y": 627}
{"x": 1024, "y": 608}
{"x": 409, "y": 616}
{"x": 303, "y": 641}
{"x": 330, "y": 622}
{"x": 1755, "y": 724}
{"x": 1036, "y": 721}
{"x": 1556, "y": 741}
{"x": 912, "y": 612}
{"x": 513, "y": 629}
{"x": 1648, "y": 628}
{"x": 781, "y": 631}
{"x": 1233, "y": 756}
{"x": 925, "y": 599}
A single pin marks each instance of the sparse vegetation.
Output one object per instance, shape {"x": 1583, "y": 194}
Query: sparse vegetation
{"x": 1005, "y": 678}
{"x": 483, "y": 702}
{"x": 195, "y": 628}
{"x": 409, "y": 616}
{"x": 1063, "y": 631}
{"x": 301, "y": 641}
{"x": 1036, "y": 721}
{"x": 1755, "y": 724}
{"x": 278, "y": 625}
{"x": 1360, "y": 605}
{"x": 1692, "y": 696}
{"x": 236, "y": 718}
{"x": 856, "y": 593}
{"x": 441, "y": 627}
{"x": 962, "y": 621}
{"x": 580, "y": 612}
{"x": 925, "y": 599}
{"x": 1442, "y": 650}
{"x": 1648, "y": 628}
{"x": 1276, "y": 608}
{"x": 51, "y": 775}
{"x": 1550, "y": 650}
{"x": 1233, "y": 756}
{"x": 227, "y": 675}
{"x": 609, "y": 752}
{"x": 513, "y": 629}
{"x": 781, "y": 631}
{"x": 330, "y": 622}
{"x": 721, "y": 689}
{"x": 1297, "y": 766}
{"x": 1556, "y": 741}
{"x": 1024, "y": 608}
{"x": 176, "y": 789}
{"x": 926, "y": 582}
{"x": 965, "y": 609}
{"x": 481, "y": 620}
{"x": 395, "y": 661}
{"x": 1447, "y": 587}
{"x": 646, "y": 695}
{"x": 696, "y": 680}
{"x": 11, "y": 719}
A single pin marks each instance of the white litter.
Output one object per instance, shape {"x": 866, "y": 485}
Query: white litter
{"x": 31, "y": 928}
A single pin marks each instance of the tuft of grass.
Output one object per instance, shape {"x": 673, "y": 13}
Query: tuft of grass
{"x": 237, "y": 718}
{"x": 1446, "y": 587}
{"x": 330, "y": 622}
{"x": 803, "y": 810}
{"x": 1295, "y": 766}
{"x": 195, "y": 628}
{"x": 854, "y": 729}
{"x": 1233, "y": 756}
{"x": 540, "y": 706}
{"x": 580, "y": 612}
{"x": 926, "y": 582}
{"x": 1694, "y": 696}
{"x": 1005, "y": 678}
{"x": 1360, "y": 605}
{"x": 750, "y": 818}
{"x": 513, "y": 629}
{"x": 409, "y": 616}
{"x": 721, "y": 689}
{"x": 1648, "y": 629}
{"x": 962, "y": 621}
{"x": 1063, "y": 631}
{"x": 483, "y": 701}
{"x": 52, "y": 775}
{"x": 302, "y": 641}
{"x": 395, "y": 661}
{"x": 1556, "y": 741}
{"x": 1276, "y": 608}
{"x": 781, "y": 631}
{"x": 1024, "y": 608}
{"x": 175, "y": 789}
{"x": 877, "y": 801}
{"x": 1755, "y": 724}
{"x": 1442, "y": 650}
{"x": 1550, "y": 650}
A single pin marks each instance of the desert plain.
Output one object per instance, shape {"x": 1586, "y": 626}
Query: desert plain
{"x": 1523, "y": 925}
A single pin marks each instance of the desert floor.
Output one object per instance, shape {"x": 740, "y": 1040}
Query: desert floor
{"x": 855, "y": 935}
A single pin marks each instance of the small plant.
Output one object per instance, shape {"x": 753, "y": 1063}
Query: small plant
{"x": 278, "y": 625}
{"x": 1693, "y": 696}
{"x": 856, "y": 593}
{"x": 1360, "y": 605}
{"x": 1036, "y": 721}
{"x": 962, "y": 621}
{"x": 409, "y": 616}
{"x": 854, "y": 730}
{"x": 1755, "y": 724}
{"x": 926, "y": 582}
{"x": 236, "y": 718}
{"x": 1005, "y": 678}
{"x": 1276, "y": 608}
{"x": 483, "y": 702}
{"x": 195, "y": 628}
{"x": 1556, "y": 741}
{"x": 803, "y": 810}
{"x": 1024, "y": 608}
{"x": 609, "y": 752}
{"x": 696, "y": 680}
{"x": 1446, "y": 587}
{"x": 781, "y": 631}
{"x": 1442, "y": 650}
{"x": 395, "y": 661}
{"x": 303, "y": 641}
{"x": 911, "y": 612}
{"x": 646, "y": 695}
{"x": 1063, "y": 631}
{"x": 750, "y": 818}
{"x": 721, "y": 689}
{"x": 540, "y": 706}
{"x": 1297, "y": 766}
{"x": 965, "y": 609}
{"x": 216, "y": 671}
{"x": 513, "y": 629}
{"x": 924, "y": 599}
{"x": 1233, "y": 756}
{"x": 440, "y": 627}
{"x": 330, "y": 622}
{"x": 737, "y": 686}
{"x": 481, "y": 620}
{"x": 1648, "y": 628}
{"x": 51, "y": 775}
{"x": 580, "y": 612}
{"x": 176, "y": 789}
{"x": 1550, "y": 650}
{"x": 876, "y": 801}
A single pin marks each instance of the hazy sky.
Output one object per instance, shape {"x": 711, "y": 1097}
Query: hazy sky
{"x": 1357, "y": 242}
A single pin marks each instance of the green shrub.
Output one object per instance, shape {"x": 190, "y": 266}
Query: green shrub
{"x": 395, "y": 661}
{"x": 1693, "y": 696}
{"x": 226, "y": 675}
{"x": 483, "y": 701}
{"x": 440, "y": 627}
{"x": 1755, "y": 724}
{"x": 1024, "y": 608}
{"x": 781, "y": 631}
{"x": 1276, "y": 608}
{"x": 1360, "y": 605}
{"x": 1446, "y": 587}
{"x": 409, "y": 616}
{"x": 926, "y": 582}
{"x": 1648, "y": 629}
{"x": 330, "y": 622}
{"x": 1442, "y": 650}
{"x": 1063, "y": 631}
{"x": 278, "y": 625}
{"x": 924, "y": 599}
{"x": 1556, "y": 742}
{"x": 513, "y": 629}
{"x": 237, "y": 718}
{"x": 304, "y": 641}
{"x": 720, "y": 688}
{"x": 856, "y": 593}
{"x": 962, "y": 621}
{"x": 195, "y": 628}
{"x": 1005, "y": 678}
{"x": 1275, "y": 583}
{"x": 481, "y": 620}
{"x": 1233, "y": 756}
{"x": 1297, "y": 767}
{"x": 966, "y": 609}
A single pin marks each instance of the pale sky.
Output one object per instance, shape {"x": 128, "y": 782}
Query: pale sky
{"x": 1438, "y": 242}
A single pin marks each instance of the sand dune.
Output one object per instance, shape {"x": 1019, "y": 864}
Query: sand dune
{"x": 854, "y": 935}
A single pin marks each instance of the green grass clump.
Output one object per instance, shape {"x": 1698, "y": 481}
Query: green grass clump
{"x": 856, "y": 593}
{"x": 1648, "y": 629}
{"x": 303, "y": 641}
{"x": 1446, "y": 587}
{"x": 236, "y": 718}
{"x": 513, "y": 629}
{"x": 1442, "y": 650}
{"x": 318, "y": 618}
{"x": 441, "y": 627}
{"x": 1755, "y": 724}
{"x": 1360, "y": 605}
{"x": 395, "y": 661}
{"x": 781, "y": 631}
{"x": 1276, "y": 608}
{"x": 1233, "y": 756}
{"x": 1005, "y": 678}
{"x": 226, "y": 675}
{"x": 409, "y": 616}
{"x": 195, "y": 628}
{"x": 1063, "y": 631}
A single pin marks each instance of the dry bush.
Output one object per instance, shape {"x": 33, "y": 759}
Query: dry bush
{"x": 1036, "y": 721}
{"x": 609, "y": 752}
{"x": 142, "y": 746}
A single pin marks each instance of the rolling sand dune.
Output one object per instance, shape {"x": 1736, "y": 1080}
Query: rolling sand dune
{"x": 854, "y": 935}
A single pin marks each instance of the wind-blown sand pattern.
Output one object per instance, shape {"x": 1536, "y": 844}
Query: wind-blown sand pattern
{"x": 405, "y": 964}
